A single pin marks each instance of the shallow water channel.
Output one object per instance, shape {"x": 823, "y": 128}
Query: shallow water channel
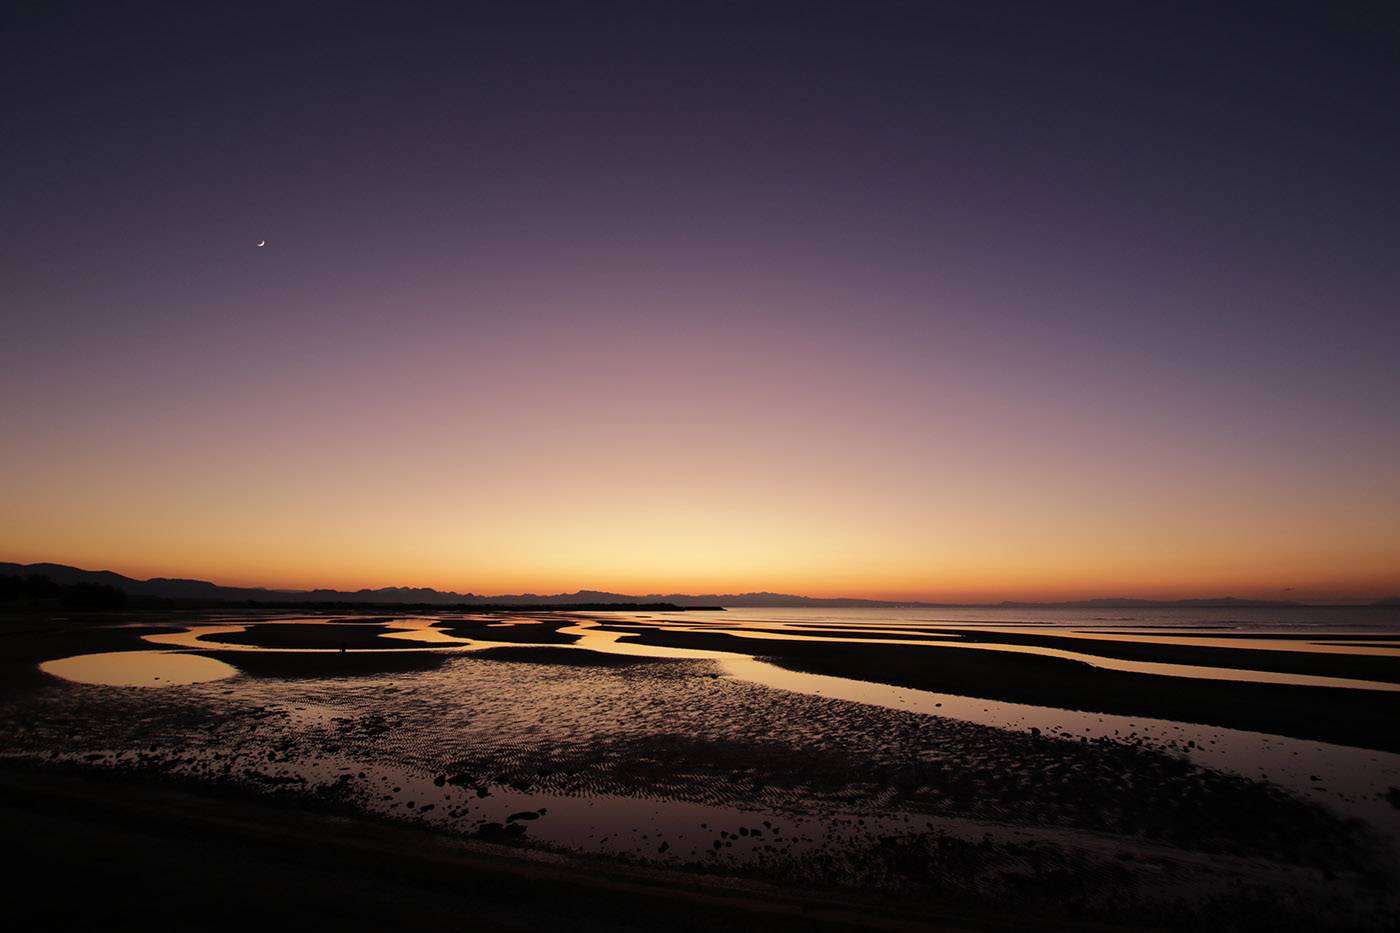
{"x": 1347, "y": 780}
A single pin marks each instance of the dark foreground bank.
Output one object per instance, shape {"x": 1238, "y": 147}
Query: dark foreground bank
{"x": 109, "y": 853}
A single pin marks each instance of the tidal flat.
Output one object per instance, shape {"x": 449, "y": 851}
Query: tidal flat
{"x": 810, "y": 759}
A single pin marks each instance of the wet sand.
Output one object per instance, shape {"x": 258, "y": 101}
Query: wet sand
{"x": 613, "y": 763}
{"x": 1172, "y": 651}
{"x": 1363, "y": 718}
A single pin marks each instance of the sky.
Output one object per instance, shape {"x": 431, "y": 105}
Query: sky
{"x": 943, "y": 301}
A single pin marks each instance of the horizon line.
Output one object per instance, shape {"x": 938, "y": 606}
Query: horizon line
{"x": 1166, "y": 602}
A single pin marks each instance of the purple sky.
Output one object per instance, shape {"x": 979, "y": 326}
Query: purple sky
{"x": 937, "y": 300}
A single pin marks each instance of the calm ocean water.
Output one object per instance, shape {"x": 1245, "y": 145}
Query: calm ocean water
{"x": 1243, "y": 621}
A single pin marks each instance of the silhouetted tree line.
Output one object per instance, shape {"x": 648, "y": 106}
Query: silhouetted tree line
{"x": 38, "y": 590}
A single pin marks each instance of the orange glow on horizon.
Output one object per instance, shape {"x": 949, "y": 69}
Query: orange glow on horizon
{"x": 841, "y": 318}
{"x": 638, "y": 476}
{"x": 972, "y": 586}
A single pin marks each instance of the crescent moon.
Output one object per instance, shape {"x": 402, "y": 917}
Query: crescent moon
{"x": 262, "y": 242}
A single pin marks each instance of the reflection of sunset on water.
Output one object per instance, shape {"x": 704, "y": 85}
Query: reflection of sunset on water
{"x": 564, "y": 730}
{"x": 139, "y": 669}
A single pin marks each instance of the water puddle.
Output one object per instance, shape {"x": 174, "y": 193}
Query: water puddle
{"x": 1158, "y": 668}
{"x": 1350, "y": 780}
{"x": 138, "y": 669}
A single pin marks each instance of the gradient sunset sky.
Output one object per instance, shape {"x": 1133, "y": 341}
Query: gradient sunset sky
{"x": 959, "y": 301}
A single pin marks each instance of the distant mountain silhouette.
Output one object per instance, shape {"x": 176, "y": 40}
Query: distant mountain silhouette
{"x": 163, "y": 588}
{"x": 36, "y": 591}
{"x": 201, "y": 590}
{"x": 159, "y": 587}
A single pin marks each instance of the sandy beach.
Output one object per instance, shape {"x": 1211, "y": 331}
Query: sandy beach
{"x": 668, "y": 775}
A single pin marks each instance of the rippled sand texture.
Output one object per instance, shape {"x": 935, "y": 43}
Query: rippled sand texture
{"x": 668, "y": 761}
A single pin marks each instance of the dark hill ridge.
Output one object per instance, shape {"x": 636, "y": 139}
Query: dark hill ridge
{"x": 201, "y": 590}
